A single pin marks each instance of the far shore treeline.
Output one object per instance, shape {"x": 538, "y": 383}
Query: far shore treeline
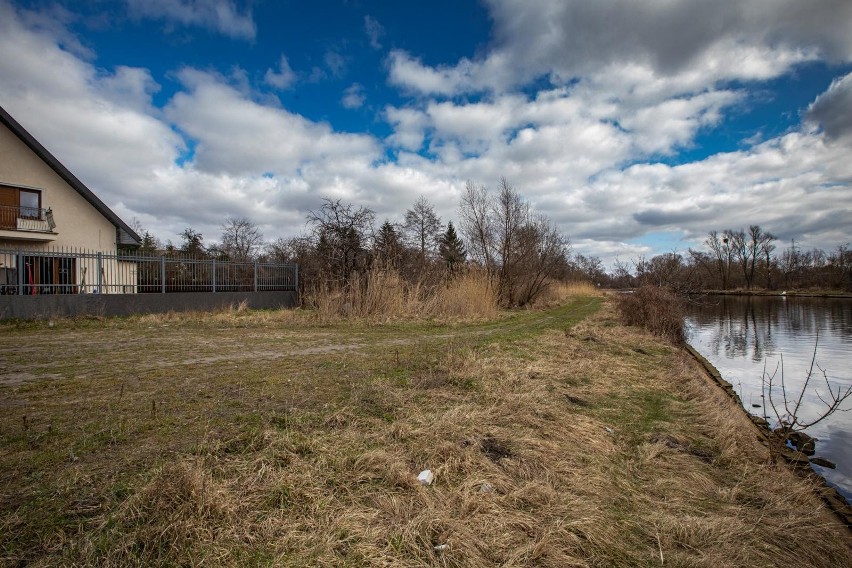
{"x": 520, "y": 250}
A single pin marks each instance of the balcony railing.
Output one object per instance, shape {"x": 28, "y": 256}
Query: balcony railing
{"x": 33, "y": 219}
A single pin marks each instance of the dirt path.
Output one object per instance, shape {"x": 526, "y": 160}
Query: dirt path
{"x": 64, "y": 350}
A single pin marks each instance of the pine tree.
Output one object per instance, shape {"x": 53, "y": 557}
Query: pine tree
{"x": 149, "y": 243}
{"x": 388, "y": 247}
{"x": 452, "y": 248}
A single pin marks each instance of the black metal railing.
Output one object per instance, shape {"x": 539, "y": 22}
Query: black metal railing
{"x": 26, "y": 218}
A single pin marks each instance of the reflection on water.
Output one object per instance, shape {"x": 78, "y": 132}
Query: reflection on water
{"x": 740, "y": 335}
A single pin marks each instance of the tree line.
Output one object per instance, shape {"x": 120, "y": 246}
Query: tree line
{"x": 521, "y": 250}
{"x": 745, "y": 259}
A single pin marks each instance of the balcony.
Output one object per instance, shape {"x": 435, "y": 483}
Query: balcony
{"x": 26, "y": 223}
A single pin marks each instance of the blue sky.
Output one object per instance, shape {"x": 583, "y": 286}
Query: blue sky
{"x": 636, "y": 127}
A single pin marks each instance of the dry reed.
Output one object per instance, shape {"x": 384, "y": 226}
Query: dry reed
{"x": 382, "y": 294}
{"x": 558, "y": 292}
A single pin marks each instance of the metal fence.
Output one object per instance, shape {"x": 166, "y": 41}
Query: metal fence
{"x": 69, "y": 271}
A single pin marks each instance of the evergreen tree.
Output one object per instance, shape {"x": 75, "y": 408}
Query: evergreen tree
{"x": 388, "y": 247}
{"x": 193, "y": 243}
{"x": 149, "y": 243}
{"x": 452, "y": 248}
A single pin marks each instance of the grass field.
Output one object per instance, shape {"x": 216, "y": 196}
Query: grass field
{"x": 558, "y": 438}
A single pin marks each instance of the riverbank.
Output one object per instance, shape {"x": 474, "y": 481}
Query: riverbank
{"x": 783, "y": 293}
{"x": 799, "y": 461}
{"x": 556, "y": 438}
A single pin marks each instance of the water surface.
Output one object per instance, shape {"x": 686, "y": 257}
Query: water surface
{"x": 747, "y": 338}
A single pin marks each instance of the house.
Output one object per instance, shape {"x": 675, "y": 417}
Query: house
{"x": 56, "y": 236}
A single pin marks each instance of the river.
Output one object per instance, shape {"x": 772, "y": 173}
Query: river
{"x": 743, "y": 335}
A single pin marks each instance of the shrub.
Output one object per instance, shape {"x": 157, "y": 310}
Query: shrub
{"x": 656, "y": 309}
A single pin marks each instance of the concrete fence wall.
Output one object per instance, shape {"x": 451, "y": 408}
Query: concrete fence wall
{"x": 60, "y": 305}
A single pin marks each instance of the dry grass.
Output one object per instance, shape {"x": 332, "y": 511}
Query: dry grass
{"x": 470, "y": 295}
{"x": 554, "y": 443}
{"x": 558, "y": 292}
{"x": 382, "y": 295}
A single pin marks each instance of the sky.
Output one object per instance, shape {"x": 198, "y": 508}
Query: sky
{"x": 636, "y": 127}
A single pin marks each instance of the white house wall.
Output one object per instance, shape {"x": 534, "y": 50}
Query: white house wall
{"x": 79, "y": 226}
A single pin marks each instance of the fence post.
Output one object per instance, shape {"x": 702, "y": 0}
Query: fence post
{"x": 255, "y": 276}
{"x": 22, "y": 268}
{"x": 163, "y": 274}
{"x": 100, "y": 258}
{"x": 296, "y": 277}
{"x": 214, "y": 274}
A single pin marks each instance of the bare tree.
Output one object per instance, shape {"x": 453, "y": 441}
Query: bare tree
{"x": 511, "y": 214}
{"x": 589, "y": 267}
{"x": 667, "y": 270}
{"x": 241, "y": 239}
{"x": 720, "y": 247}
{"x": 749, "y": 248}
{"x": 789, "y": 424}
{"x": 280, "y": 250}
{"x": 299, "y": 250}
{"x": 761, "y": 246}
{"x": 621, "y": 275}
{"x": 342, "y": 235}
{"x": 422, "y": 227}
{"x": 137, "y": 226}
{"x": 476, "y": 224}
{"x": 740, "y": 251}
{"x": 521, "y": 251}
{"x": 540, "y": 254}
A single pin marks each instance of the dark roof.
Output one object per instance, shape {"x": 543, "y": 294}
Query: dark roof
{"x": 126, "y": 235}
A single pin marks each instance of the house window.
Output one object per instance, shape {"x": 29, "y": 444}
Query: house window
{"x": 30, "y": 203}
{"x": 18, "y": 203}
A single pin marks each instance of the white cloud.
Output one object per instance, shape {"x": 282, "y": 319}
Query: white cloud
{"x": 694, "y": 44}
{"x": 833, "y": 109}
{"x": 672, "y": 124}
{"x": 222, "y": 16}
{"x": 409, "y": 73}
{"x": 582, "y": 152}
{"x": 250, "y": 138}
{"x": 768, "y": 184}
{"x": 409, "y": 127}
{"x": 353, "y": 96}
{"x": 374, "y": 31}
{"x": 283, "y": 78}
{"x": 335, "y": 62}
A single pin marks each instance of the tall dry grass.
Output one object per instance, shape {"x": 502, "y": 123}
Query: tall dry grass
{"x": 557, "y": 293}
{"x": 469, "y": 295}
{"x": 383, "y": 294}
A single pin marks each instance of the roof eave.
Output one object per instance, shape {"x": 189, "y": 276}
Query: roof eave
{"x": 66, "y": 175}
